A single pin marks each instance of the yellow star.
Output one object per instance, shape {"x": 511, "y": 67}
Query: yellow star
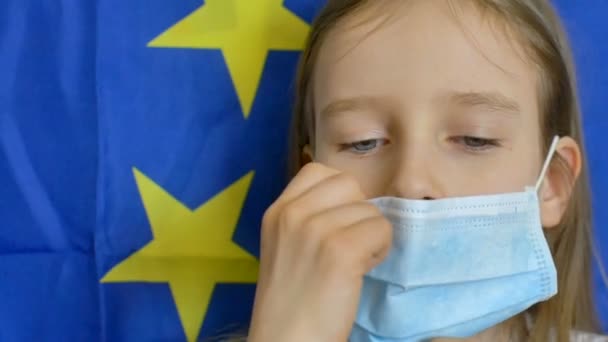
{"x": 191, "y": 250}
{"x": 244, "y": 30}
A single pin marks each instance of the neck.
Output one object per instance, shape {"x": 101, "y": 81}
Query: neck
{"x": 510, "y": 330}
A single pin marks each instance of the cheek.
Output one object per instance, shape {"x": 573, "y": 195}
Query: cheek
{"x": 373, "y": 180}
{"x": 512, "y": 172}
{"x": 373, "y": 175}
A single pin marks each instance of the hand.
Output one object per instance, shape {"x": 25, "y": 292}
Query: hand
{"x": 318, "y": 240}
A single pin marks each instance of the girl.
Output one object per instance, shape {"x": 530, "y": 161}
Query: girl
{"x": 423, "y": 100}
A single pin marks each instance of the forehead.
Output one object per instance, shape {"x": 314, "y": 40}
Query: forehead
{"x": 415, "y": 50}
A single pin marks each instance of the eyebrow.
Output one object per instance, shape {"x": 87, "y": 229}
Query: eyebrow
{"x": 490, "y": 100}
{"x": 353, "y": 104}
{"x": 493, "y": 101}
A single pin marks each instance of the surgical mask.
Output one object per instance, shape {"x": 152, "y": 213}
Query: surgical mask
{"x": 457, "y": 266}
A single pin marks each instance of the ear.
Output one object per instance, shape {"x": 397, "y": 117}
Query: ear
{"x": 306, "y": 155}
{"x": 561, "y": 176}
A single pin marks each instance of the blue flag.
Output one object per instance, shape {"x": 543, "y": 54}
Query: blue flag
{"x": 141, "y": 142}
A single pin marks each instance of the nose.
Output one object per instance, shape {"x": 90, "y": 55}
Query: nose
{"x": 414, "y": 175}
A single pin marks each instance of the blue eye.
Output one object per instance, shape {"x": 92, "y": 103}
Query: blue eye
{"x": 363, "y": 146}
{"x": 476, "y": 143}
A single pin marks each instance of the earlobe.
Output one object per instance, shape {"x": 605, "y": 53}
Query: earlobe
{"x": 560, "y": 179}
{"x": 306, "y": 155}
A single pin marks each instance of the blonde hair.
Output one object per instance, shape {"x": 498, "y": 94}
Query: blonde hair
{"x": 538, "y": 30}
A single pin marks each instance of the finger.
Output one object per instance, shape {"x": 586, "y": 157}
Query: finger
{"x": 320, "y": 225}
{"x": 276, "y": 215}
{"x": 309, "y": 175}
{"x": 366, "y": 242}
{"x": 331, "y": 192}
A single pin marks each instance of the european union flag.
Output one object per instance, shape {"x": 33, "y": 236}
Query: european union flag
{"x": 141, "y": 142}
{"x": 193, "y": 103}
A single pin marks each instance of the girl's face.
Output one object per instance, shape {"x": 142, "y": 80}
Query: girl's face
{"x": 428, "y": 104}
{"x": 434, "y": 101}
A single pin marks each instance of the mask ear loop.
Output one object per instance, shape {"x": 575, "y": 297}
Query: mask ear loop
{"x": 552, "y": 149}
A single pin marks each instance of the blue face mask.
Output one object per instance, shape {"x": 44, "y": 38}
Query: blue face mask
{"x": 457, "y": 266}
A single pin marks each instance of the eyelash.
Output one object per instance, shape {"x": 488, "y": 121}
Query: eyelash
{"x": 470, "y": 143}
{"x": 352, "y": 146}
{"x": 476, "y": 144}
